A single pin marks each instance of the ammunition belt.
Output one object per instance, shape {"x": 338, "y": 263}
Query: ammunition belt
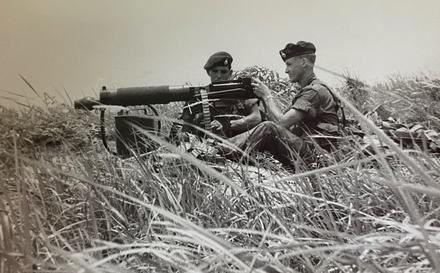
{"x": 206, "y": 111}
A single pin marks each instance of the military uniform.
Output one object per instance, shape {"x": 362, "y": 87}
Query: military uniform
{"x": 223, "y": 110}
{"x": 320, "y": 107}
{"x": 293, "y": 145}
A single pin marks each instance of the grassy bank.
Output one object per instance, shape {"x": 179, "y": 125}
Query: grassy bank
{"x": 67, "y": 205}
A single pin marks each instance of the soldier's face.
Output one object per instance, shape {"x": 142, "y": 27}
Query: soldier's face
{"x": 294, "y": 68}
{"x": 220, "y": 73}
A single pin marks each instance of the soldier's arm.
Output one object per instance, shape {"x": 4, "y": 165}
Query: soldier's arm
{"x": 291, "y": 117}
{"x": 288, "y": 119}
{"x": 249, "y": 121}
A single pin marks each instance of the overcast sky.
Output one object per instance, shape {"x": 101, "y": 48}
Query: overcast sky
{"x": 83, "y": 44}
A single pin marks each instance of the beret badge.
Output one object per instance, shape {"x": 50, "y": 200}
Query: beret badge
{"x": 221, "y": 58}
{"x": 283, "y": 55}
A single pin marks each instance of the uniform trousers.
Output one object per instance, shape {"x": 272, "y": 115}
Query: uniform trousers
{"x": 289, "y": 149}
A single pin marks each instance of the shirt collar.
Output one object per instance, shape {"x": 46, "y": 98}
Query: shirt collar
{"x": 308, "y": 80}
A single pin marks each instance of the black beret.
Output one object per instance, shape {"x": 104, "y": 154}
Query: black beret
{"x": 298, "y": 49}
{"x": 219, "y": 58}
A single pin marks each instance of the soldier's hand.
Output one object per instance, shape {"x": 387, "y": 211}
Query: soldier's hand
{"x": 236, "y": 124}
{"x": 216, "y": 125}
{"x": 260, "y": 89}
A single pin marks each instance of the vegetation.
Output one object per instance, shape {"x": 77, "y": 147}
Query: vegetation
{"x": 67, "y": 205}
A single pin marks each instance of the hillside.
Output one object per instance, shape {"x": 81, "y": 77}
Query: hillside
{"x": 67, "y": 205}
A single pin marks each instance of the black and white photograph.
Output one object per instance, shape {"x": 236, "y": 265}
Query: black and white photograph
{"x": 166, "y": 136}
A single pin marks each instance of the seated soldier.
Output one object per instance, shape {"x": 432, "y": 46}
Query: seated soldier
{"x": 229, "y": 116}
{"x": 313, "y": 110}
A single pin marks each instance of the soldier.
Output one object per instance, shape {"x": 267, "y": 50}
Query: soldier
{"x": 313, "y": 110}
{"x": 230, "y": 117}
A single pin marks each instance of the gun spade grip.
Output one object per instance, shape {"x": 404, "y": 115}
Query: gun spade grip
{"x": 146, "y": 95}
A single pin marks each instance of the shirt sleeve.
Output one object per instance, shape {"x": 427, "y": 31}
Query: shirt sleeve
{"x": 304, "y": 100}
{"x": 249, "y": 104}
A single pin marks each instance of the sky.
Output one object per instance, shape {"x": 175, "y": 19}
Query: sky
{"x": 82, "y": 45}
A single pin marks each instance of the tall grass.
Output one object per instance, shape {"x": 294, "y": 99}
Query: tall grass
{"x": 67, "y": 205}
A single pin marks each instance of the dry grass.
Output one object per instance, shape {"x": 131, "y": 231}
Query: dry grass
{"x": 68, "y": 206}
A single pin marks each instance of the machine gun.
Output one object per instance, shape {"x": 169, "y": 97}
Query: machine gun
{"x": 150, "y": 95}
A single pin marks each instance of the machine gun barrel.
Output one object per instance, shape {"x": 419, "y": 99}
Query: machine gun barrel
{"x": 130, "y": 96}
